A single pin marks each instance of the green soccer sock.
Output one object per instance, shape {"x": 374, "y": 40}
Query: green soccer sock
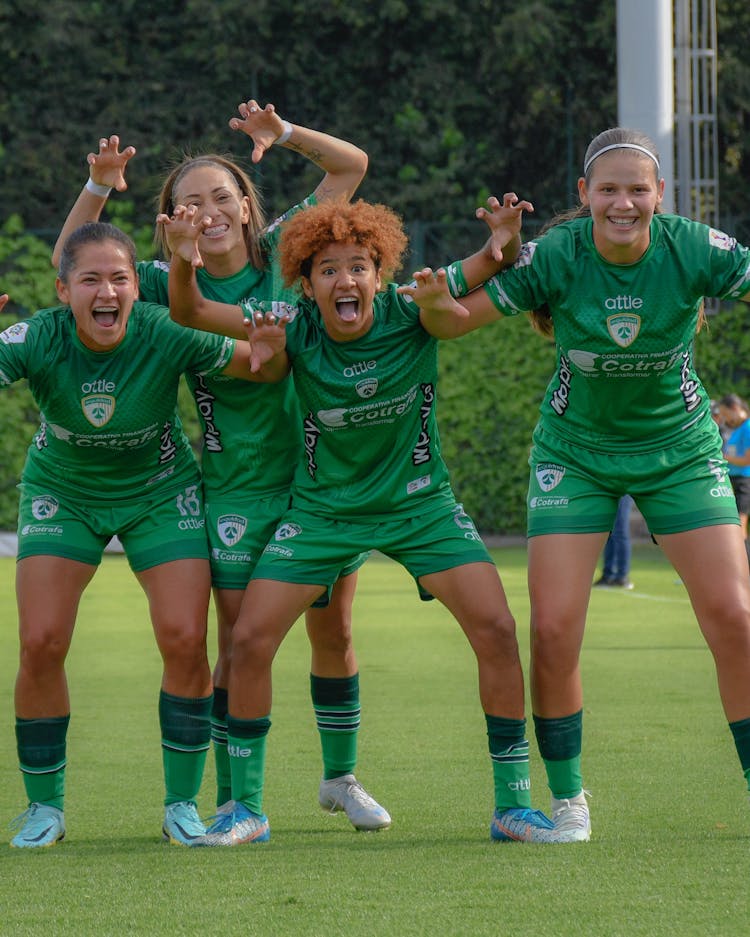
{"x": 337, "y": 714}
{"x": 509, "y": 752}
{"x": 560, "y": 742}
{"x": 41, "y": 757}
{"x": 741, "y": 733}
{"x": 185, "y": 739}
{"x": 219, "y": 739}
{"x": 246, "y": 743}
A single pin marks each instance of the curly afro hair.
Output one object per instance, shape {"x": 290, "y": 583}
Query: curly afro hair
{"x": 375, "y": 227}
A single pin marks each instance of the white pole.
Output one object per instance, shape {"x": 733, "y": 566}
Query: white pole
{"x": 645, "y": 78}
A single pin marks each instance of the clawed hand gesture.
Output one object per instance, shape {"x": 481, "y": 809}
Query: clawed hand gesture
{"x": 430, "y": 292}
{"x": 182, "y": 231}
{"x": 262, "y": 124}
{"x": 266, "y": 333}
{"x": 107, "y": 167}
{"x": 504, "y": 221}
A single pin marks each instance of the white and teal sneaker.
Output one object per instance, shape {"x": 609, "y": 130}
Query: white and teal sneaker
{"x": 522, "y": 825}
{"x": 347, "y": 794}
{"x": 571, "y": 818}
{"x": 39, "y": 825}
{"x": 235, "y": 825}
{"x": 182, "y": 825}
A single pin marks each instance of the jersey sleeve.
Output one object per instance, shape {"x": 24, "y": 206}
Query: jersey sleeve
{"x": 729, "y": 264}
{"x": 520, "y": 288}
{"x": 192, "y": 349}
{"x": 153, "y": 281}
{"x": 15, "y": 348}
{"x": 269, "y": 236}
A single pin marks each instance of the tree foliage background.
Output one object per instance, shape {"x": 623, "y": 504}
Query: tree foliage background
{"x": 452, "y": 101}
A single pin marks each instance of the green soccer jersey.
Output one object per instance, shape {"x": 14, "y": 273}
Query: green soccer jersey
{"x": 250, "y": 431}
{"x": 368, "y": 413}
{"x": 625, "y": 379}
{"x": 109, "y": 428}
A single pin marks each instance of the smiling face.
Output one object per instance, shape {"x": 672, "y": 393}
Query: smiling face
{"x": 622, "y": 193}
{"x": 343, "y": 282}
{"x": 100, "y": 288}
{"x": 215, "y": 193}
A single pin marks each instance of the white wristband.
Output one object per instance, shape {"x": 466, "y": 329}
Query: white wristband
{"x": 96, "y": 189}
{"x": 285, "y": 133}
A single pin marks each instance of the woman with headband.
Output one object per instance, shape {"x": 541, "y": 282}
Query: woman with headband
{"x": 620, "y": 287}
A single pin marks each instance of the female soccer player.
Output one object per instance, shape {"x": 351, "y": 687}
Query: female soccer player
{"x": 735, "y": 416}
{"x": 372, "y": 476}
{"x": 110, "y": 457}
{"x": 621, "y": 286}
{"x": 248, "y": 453}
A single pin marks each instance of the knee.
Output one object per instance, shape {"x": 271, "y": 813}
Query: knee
{"x": 182, "y": 640}
{"x": 43, "y": 648}
{"x": 329, "y": 633}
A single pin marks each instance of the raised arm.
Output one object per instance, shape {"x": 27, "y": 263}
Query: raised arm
{"x": 440, "y": 313}
{"x": 344, "y": 164}
{"x": 106, "y": 172}
{"x": 502, "y": 247}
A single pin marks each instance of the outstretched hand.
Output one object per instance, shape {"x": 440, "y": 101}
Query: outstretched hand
{"x": 430, "y": 292}
{"x": 266, "y": 334}
{"x": 107, "y": 167}
{"x": 504, "y": 221}
{"x": 3, "y": 301}
{"x": 182, "y": 231}
{"x": 262, "y": 124}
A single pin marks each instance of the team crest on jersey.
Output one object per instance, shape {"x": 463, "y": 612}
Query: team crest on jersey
{"x": 15, "y": 334}
{"x": 623, "y": 328}
{"x": 286, "y": 531}
{"x": 230, "y": 528}
{"x": 549, "y": 475}
{"x": 45, "y": 507}
{"x": 367, "y": 387}
{"x": 98, "y": 408}
{"x": 718, "y": 469}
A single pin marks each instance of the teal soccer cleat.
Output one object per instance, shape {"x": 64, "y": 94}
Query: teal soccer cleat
{"x": 40, "y": 825}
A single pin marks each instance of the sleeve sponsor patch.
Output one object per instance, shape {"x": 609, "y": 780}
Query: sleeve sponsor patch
{"x": 15, "y": 334}
{"x": 723, "y": 241}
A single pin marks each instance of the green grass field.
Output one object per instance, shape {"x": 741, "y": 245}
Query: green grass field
{"x": 671, "y": 824}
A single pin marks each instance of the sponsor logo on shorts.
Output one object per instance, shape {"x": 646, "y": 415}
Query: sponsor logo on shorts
{"x": 191, "y": 523}
{"x": 30, "y": 529}
{"x": 623, "y": 328}
{"x": 548, "y": 503}
{"x": 98, "y": 408}
{"x": 230, "y": 528}
{"x": 226, "y": 557}
{"x": 279, "y": 551}
{"x": 549, "y": 475}
{"x": 417, "y": 484}
{"x": 15, "y": 334}
{"x": 286, "y": 531}
{"x": 45, "y": 507}
{"x": 723, "y": 487}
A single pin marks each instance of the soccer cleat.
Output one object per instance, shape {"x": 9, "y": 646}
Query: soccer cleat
{"x": 347, "y": 794}
{"x": 40, "y": 825}
{"x": 522, "y": 825}
{"x": 570, "y": 816}
{"x": 613, "y": 582}
{"x": 235, "y": 825}
{"x": 182, "y": 825}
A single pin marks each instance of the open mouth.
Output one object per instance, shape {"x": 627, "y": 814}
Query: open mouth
{"x": 622, "y": 222}
{"x": 215, "y": 231}
{"x": 106, "y": 316}
{"x": 347, "y": 308}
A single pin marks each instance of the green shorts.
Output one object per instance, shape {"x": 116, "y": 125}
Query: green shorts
{"x": 166, "y": 526}
{"x": 574, "y": 490}
{"x": 308, "y": 548}
{"x": 237, "y": 534}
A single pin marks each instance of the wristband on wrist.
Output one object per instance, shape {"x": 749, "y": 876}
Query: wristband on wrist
{"x": 96, "y": 189}
{"x": 285, "y": 133}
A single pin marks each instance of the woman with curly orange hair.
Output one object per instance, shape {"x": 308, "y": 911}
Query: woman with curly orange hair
{"x": 364, "y": 360}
